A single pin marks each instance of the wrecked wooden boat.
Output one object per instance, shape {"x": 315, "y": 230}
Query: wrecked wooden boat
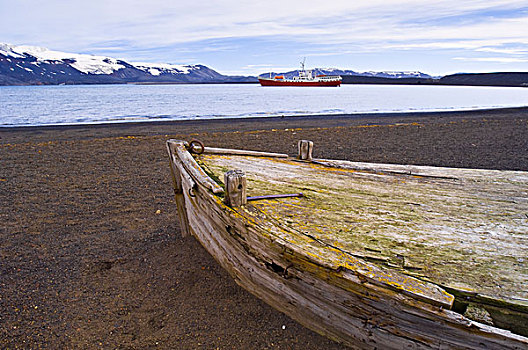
{"x": 370, "y": 255}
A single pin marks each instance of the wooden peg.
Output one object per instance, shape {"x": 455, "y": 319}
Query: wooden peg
{"x": 305, "y": 149}
{"x": 235, "y": 183}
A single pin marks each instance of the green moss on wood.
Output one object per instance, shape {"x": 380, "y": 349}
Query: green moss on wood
{"x": 466, "y": 233}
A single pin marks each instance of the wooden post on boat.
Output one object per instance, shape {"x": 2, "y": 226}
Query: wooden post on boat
{"x": 178, "y": 189}
{"x": 305, "y": 149}
{"x": 235, "y": 185}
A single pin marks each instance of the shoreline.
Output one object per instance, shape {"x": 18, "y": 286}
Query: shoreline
{"x": 305, "y": 117}
{"x": 489, "y": 79}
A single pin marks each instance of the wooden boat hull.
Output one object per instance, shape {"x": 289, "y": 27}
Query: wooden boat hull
{"x": 343, "y": 298}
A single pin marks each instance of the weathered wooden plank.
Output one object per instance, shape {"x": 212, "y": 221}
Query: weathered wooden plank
{"x": 178, "y": 193}
{"x": 193, "y": 169}
{"x": 426, "y": 171}
{"x": 213, "y": 150}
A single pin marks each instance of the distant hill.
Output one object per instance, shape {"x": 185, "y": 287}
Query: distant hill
{"x": 359, "y": 79}
{"x": 30, "y": 65}
{"x": 487, "y": 79}
{"x": 519, "y": 79}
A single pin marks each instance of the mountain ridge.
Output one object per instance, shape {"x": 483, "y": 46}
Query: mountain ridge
{"x": 32, "y": 65}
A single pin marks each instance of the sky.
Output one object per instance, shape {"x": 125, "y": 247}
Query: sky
{"x": 239, "y": 37}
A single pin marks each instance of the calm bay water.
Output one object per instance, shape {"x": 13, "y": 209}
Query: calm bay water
{"x": 87, "y": 104}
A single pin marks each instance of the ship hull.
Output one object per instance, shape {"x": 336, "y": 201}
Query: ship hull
{"x": 276, "y": 82}
{"x": 336, "y": 293}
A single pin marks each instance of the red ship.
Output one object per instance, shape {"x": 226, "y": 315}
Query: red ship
{"x": 305, "y": 78}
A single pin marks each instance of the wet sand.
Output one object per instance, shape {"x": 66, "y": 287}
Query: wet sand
{"x": 91, "y": 251}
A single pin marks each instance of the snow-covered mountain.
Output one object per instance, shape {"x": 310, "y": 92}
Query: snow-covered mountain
{"x": 23, "y": 65}
{"x": 87, "y": 64}
{"x": 397, "y": 75}
{"x": 160, "y": 68}
{"x": 335, "y": 71}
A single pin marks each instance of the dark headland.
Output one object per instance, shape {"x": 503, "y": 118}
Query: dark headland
{"x": 90, "y": 245}
{"x": 510, "y": 79}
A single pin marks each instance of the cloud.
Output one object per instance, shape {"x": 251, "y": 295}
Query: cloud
{"x": 158, "y": 28}
{"x": 479, "y": 45}
{"x": 492, "y": 59}
{"x": 523, "y": 51}
{"x": 158, "y": 22}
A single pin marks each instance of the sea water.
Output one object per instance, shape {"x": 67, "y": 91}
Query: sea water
{"x": 92, "y": 104}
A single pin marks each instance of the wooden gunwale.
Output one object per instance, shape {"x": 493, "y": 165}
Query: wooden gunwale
{"x": 359, "y": 301}
{"x": 213, "y": 150}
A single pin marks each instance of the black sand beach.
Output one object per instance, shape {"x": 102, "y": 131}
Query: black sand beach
{"x": 90, "y": 248}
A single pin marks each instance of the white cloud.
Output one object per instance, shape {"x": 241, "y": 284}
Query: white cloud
{"x": 504, "y": 51}
{"x": 255, "y": 69}
{"x": 159, "y": 22}
{"x": 482, "y": 45}
{"x": 492, "y": 59}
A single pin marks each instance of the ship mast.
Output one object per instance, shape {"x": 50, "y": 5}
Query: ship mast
{"x": 303, "y": 74}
